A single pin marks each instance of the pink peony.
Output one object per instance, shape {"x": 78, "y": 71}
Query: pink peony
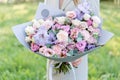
{"x": 34, "y": 47}
{"x": 81, "y": 45}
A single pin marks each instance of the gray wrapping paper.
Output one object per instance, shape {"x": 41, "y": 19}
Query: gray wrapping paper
{"x": 19, "y": 31}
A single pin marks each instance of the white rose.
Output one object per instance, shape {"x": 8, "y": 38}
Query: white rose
{"x": 48, "y": 24}
{"x": 29, "y": 30}
{"x": 27, "y": 39}
{"x": 36, "y": 24}
{"x": 61, "y": 20}
{"x": 41, "y": 21}
{"x": 83, "y": 25}
{"x": 95, "y": 24}
{"x": 96, "y": 19}
{"x": 76, "y": 22}
{"x": 62, "y": 36}
{"x": 86, "y": 17}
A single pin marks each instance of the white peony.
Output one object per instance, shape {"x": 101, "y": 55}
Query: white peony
{"x": 76, "y": 22}
{"x": 29, "y": 30}
{"x": 61, "y": 20}
{"x": 62, "y": 36}
{"x": 86, "y": 17}
{"x": 36, "y": 24}
{"x": 27, "y": 39}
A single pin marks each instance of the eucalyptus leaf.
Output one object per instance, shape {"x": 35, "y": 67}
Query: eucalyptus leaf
{"x": 71, "y": 52}
{"x": 79, "y": 38}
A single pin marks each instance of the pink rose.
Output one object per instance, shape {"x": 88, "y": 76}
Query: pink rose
{"x": 71, "y": 14}
{"x": 74, "y": 33}
{"x": 46, "y": 51}
{"x": 57, "y": 49}
{"x": 81, "y": 45}
{"x": 34, "y": 47}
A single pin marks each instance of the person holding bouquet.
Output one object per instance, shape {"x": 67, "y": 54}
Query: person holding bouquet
{"x": 82, "y": 63}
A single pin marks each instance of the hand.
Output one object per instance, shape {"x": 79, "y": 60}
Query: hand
{"x": 76, "y": 62}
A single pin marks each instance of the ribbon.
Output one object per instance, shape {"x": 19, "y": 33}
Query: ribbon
{"x": 51, "y": 66}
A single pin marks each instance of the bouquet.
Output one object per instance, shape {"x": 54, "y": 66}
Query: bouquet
{"x": 63, "y": 37}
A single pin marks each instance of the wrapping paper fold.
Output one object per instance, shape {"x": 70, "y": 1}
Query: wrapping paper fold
{"x": 45, "y": 11}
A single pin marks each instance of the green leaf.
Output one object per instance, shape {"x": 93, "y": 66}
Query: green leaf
{"x": 71, "y": 52}
{"x": 79, "y": 38}
{"x": 75, "y": 52}
{"x": 48, "y": 45}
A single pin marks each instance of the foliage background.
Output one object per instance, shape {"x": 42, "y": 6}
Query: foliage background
{"x": 17, "y": 63}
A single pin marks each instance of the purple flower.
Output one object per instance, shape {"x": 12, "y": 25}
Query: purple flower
{"x": 90, "y": 46}
{"x": 41, "y": 37}
{"x": 79, "y": 14}
{"x": 81, "y": 46}
{"x": 52, "y": 38}
{"x": 84, "y": 7}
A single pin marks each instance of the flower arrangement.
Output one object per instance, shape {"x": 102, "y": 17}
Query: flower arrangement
{"x": 62, "y": 36}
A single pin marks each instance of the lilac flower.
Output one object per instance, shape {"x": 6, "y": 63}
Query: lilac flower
{"x": 84, "y": 7}
{"x": 79, "y": 14}
{"x": 52, "y": 38}
{"x": 41, "y": 37}
{"x": 90, "y": 46}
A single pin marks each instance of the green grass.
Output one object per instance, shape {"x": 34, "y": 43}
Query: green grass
{"x": 17, "y": 63}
